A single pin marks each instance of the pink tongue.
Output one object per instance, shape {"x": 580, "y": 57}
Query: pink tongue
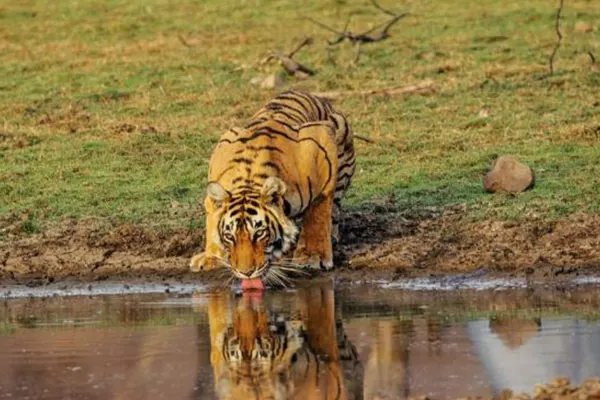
{"x": 253, "y": 284}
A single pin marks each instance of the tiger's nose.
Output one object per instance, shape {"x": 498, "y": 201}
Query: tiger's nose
{"x": 249, "y": 273}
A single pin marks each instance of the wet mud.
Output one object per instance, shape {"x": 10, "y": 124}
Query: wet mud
{"x": 380, "y": 243}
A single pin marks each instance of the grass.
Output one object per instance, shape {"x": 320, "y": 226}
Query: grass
{"x": 104, "y": 112}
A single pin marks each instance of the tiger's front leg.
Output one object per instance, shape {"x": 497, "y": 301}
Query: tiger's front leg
{"x": 314, "y": 246}
{"x": 213, "y": 256}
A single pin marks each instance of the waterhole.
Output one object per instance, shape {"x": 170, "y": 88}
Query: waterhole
{"x": 377, "y": 341}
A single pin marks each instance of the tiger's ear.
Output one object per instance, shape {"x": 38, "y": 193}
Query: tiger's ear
{"x": 273, "y": 190}
{"x": 217, "y": 193}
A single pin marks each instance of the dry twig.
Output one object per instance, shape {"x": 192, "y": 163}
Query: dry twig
{"x": 422, "y": 87}
{"x": 592, "y": 58}
{"x": 365, "y": 37}
{"x": 287, "y": 61}
{"x": 184, "y": 42}
{"x": 558, "y": 34}
{"x": 364, "y": 139}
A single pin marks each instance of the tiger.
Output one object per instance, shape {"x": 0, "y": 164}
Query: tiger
{"x": 257, "y": 353}
{"x": 275, "y": 188}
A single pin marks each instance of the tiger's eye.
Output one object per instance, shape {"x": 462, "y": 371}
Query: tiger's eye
{"x": 229, "y": 236}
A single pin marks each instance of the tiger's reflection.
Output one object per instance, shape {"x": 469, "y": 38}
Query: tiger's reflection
{"x": 281, "y": 346}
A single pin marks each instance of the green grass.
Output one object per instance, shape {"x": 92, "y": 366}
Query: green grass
{"x": 104, "y": 112}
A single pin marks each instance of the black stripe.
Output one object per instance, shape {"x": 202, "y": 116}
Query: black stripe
{"x": 344, "y": 176}
{"x": 310, "y": 195}
{"x": 287, "y": 125}
{"x": 273, "y": 131}
{"x": 318, "y": 370}
{"x": 346, "y": 130}
{"x": 242, "y": 160}
{"x": 326, "y": 159}
{"x": 315, "y": 103}
{"x": 254, "y": 136}
{"x": 335, "y": 122}
{"x": 261, "y": 176}
{"x": 274, "y": 223}
{"x": 294, "y": 99}
{"x": 245, "y": 187}
{"x": 255, "y": 122}
{"x": 224, "y": 172}
{"x": 281, "y": 108}
{"x": 346, "y": 165}
{"x": 301, "y": 198}
{"x": 271, "y": 148}
{"x": 238, "y": 201}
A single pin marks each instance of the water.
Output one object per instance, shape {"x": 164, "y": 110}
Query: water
{"x": 355, "y": 342}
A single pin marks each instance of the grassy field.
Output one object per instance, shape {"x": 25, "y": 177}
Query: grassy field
{"x": 110, "y": 109}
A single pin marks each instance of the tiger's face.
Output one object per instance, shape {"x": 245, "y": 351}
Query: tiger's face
{"x": 253, "y": 228}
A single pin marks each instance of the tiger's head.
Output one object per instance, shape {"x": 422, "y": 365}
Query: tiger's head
{"x": 253, "y": 228}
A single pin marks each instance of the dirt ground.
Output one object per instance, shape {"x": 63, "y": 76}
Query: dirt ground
{"x": 379, "y": 243}
{"x": 559, "y": 389}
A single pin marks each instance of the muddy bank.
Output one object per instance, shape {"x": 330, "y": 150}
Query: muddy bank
{"x": 378, "y": 243}
{"x": 559, "y": 389}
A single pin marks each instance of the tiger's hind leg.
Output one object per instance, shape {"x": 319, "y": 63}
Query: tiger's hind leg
{"x": 336, "y": 215}
{"x": 343, "y": 138}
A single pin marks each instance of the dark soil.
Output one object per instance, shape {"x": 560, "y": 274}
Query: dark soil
{"x": 378, "y": 243}
{"x": 559, "y": 389}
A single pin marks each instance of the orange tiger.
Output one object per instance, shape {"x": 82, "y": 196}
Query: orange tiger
{"x": 275, "y": 186}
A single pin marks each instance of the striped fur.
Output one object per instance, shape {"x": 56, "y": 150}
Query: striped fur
{"x": 276, "y": 186}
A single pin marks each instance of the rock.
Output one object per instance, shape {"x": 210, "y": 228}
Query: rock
{"x": 272, "y": 81}
{"x": 509, "y": 175}
{"x": 584, "y": 27}
{"x": 256, "y": 80}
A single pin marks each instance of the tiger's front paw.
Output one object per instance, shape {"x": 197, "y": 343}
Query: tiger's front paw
{"x": 313, "y": 261}
{"x": 203, "y": 262}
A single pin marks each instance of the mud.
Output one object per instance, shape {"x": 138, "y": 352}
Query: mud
{"x": 380, "y": 243}
{"x": 559, "y": 389}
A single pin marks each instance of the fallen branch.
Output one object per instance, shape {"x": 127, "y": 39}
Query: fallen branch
{"x": 365, "y": 37}
{"x": 388, "y": 12}
{"x": 287, "y": 61}
{"x": 558, "y": 34}
{"x": 307, "y": 41}
{"x": 423, "y": 87}
{"x": 184, "y": 42}
{"x": 364, "y": 139}
{"x": 592, "y": 58}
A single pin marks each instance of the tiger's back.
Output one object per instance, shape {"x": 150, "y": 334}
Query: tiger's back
{"x": 268, "y": 140}
{"x": 295, "y": 108}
